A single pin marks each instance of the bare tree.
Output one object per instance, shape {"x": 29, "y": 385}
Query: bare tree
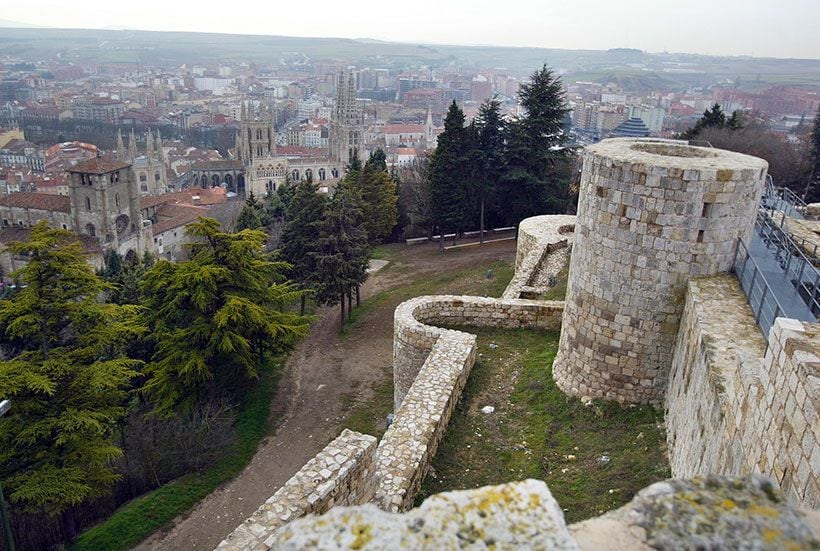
{"x": 414, "y": 196}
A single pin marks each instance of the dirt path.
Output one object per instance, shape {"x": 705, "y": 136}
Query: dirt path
{"x": 320, "y": 373}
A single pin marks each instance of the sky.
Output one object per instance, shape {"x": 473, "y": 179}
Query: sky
{"x": 763, "y": 28}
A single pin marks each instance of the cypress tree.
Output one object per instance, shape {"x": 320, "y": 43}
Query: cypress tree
{"x": 488, "y": 154}
{"x": 448, "y": 174}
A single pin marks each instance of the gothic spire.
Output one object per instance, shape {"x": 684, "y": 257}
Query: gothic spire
{"x": 132, "y": 146}
{"x": 160, "y": 150}
{"x": 120, "y": 146}
{"x": 149, "y": 146}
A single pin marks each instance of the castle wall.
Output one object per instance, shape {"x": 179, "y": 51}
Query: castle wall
{"x": 539, "y": 238}
{"x": 341, "y": 474}
{"x": 731, "y": 410}
{"x": 415, "y": 330}
{"x": 650, "y": 216}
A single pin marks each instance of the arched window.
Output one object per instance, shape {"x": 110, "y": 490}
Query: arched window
{"x": 295, "y": 175}
{"x": 259, "y": 134}
{"x": 308, "y": 174}
{"x": 157, "y": 177}
{"x": 322, "y": 175}
{"x": 143, "y": 177}
{"x": 117, "y": 200}
{"x": 335, "y": 172}
{"x": 259, "y": 150}
{"x": 88, "y": 204}
{"x": 90, "y": 230}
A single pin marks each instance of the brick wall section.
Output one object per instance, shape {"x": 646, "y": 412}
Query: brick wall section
{"x": 731, "y": 410}
{"x": 415, "y": 329}
{"x": 650, "y": 216}
{"x": 341, "y": 474}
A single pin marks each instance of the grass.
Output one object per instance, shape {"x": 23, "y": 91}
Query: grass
{"x": 139, "y": 518}
{"x": 559, "y": 290}
{"x": 468, "y": 281}
{"x": 593, "y": 458}
{"x": 369, "y": 415}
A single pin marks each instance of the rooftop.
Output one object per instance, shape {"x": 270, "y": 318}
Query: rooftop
{"x": 99, "y": 165}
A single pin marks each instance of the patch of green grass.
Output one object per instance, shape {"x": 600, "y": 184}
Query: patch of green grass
{"x": 380, "y": 252}
{"x": 593, "y": 458}
{"x": 559, "y": 290}
{"x": 139, "y": 518}
{"x": 468, "y": 281}
{"x": 370, "y": 416}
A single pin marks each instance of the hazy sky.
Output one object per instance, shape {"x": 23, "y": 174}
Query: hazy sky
{"x": 783, "y": 28}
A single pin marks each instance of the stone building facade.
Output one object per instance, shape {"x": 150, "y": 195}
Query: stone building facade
{"x": 650, "y": 216}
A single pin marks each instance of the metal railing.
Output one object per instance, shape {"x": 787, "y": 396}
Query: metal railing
{"x": 761, "y": 298}
{"x": 800, "y": 270}
{"x": 782, "y": 198}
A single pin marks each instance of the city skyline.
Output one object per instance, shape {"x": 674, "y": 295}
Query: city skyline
{"x": 732, "y": 28}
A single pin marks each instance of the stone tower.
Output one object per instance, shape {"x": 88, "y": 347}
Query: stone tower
{"x": 257, "y": 139}
{"x": 347, "y": 123}
{"x": 151, "y": 169}
{"x": 105, "y": 203}
{"x": 651, "y": 214}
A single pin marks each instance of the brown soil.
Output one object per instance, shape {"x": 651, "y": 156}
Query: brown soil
{"x": 310, "y": 401}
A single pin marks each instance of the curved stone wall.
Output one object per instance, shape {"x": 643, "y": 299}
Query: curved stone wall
{"x": 541, "y": 251}
{"x": 650, "y": 216}
{"x": 415, "y": 331}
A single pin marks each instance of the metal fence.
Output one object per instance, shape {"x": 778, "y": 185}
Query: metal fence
{"x": 762, "y": 299}
{"x": 800, "y": 270}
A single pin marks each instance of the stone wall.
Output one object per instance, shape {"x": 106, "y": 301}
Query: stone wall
{"x": 341, "y": 474}
{"x": 415, "y": 331}
{"x": 541, "y": 252}
{"x": 731, "y": 410}
{"x": 650, "y": 216}
{"x": 711, "y": 513}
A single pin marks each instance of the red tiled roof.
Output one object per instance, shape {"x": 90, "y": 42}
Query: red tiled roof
{"x": 99, "y": 165}
{"x": 37, "y": 201}
{"x": 402, "y": 129}
{"x": 176, "y": 216}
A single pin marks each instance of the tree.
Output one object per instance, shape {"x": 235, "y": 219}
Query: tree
{"x": 248, "y": 218}
{"x": 714, "y": 118}
{"x": 66, "y": 375}
{"x": 212, "y": 318}
{"x": 488, "y": 154}
{"x": 343, "y": 252}
{"x": 378, "y": 193}
{"x": 447, "y": 175}
{"x": 811, "y": 192}
{"x": 300, "y": 236}
{"x": 536, "y": 178}
{"x": 414, "y": 196}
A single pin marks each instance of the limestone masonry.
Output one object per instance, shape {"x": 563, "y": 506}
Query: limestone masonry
{"x": 651, "y": 316}
{"x": 650, "y": 216}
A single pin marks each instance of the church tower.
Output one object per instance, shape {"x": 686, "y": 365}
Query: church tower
{"x": 257, "y": 138}
{"x": 150, "y": 170}
{"x": 347, "y": 123}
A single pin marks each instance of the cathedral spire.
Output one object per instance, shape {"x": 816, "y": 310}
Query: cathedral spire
{"x": 132, "y": 146}
{"x": 149, "y": 146}
{"x": 242, "y": 114}
{"x": 120, "y": 146}
{"x": 160, "y": 150}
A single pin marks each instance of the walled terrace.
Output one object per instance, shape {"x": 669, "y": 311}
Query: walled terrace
{"x": 741, "y": 417}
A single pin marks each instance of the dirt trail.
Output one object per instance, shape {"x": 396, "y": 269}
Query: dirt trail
{"x": 310, "y": 402}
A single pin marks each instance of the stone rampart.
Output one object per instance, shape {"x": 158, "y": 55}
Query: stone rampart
{"x": 541, "y": 251}
{"x": 341, "y": 474}
{"x": 731, "y": 410}
{"x": 650, "y": 216}
{"x": 415, "y": 328}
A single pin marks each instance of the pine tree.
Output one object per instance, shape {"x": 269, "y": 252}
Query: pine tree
{"x": 343, "y": 252}
{"x": 810, "y": 193}
{"x": 488, "y": 154}
{"x": 536, "y": 179}
{"x": 301, "y": 233}
{"x": 447, "y": 174}
{"x": 65, "y": 374}
{"x": 711, "y": 118}
{"x": 248, "y": 218}
{"x": 212, "y": 318}
{"x": 379, "y": 196}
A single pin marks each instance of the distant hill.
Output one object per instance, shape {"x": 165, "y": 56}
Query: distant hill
{"x": 633, "y": 68}
{"x": 6, "y": 23}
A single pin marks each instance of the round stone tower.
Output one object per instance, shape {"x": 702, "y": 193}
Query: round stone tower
{"x": 651, "y": 214}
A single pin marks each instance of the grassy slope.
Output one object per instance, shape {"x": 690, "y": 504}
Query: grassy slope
{"x": 538, "y": 432}
{"x": 367, "y": 416}
{"x": 138, "y": 519}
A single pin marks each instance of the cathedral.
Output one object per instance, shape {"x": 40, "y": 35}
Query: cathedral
{"x": 265, "y": 170}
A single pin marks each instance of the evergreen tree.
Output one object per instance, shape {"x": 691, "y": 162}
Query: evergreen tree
{"x": 377, "y": 160}
{"x": 273, "y": 209}
{"x": 249, "y": 218}
{"x": 113, "y": 264}
{"x": 212, "y": 318}
{"x": 447, "y": 174}
{"x": 343, "y": 252}
{"x": 488, "y": 154}
{"x": 379, "y": 197}
{"x": 301, "y": 234}
{"x": 712, "y": 118}
{"x": 536, "y": 179}
{"x": 285, "y": 192}
{"x": 66, "y": 375}
{"x": 812, "y": 191}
